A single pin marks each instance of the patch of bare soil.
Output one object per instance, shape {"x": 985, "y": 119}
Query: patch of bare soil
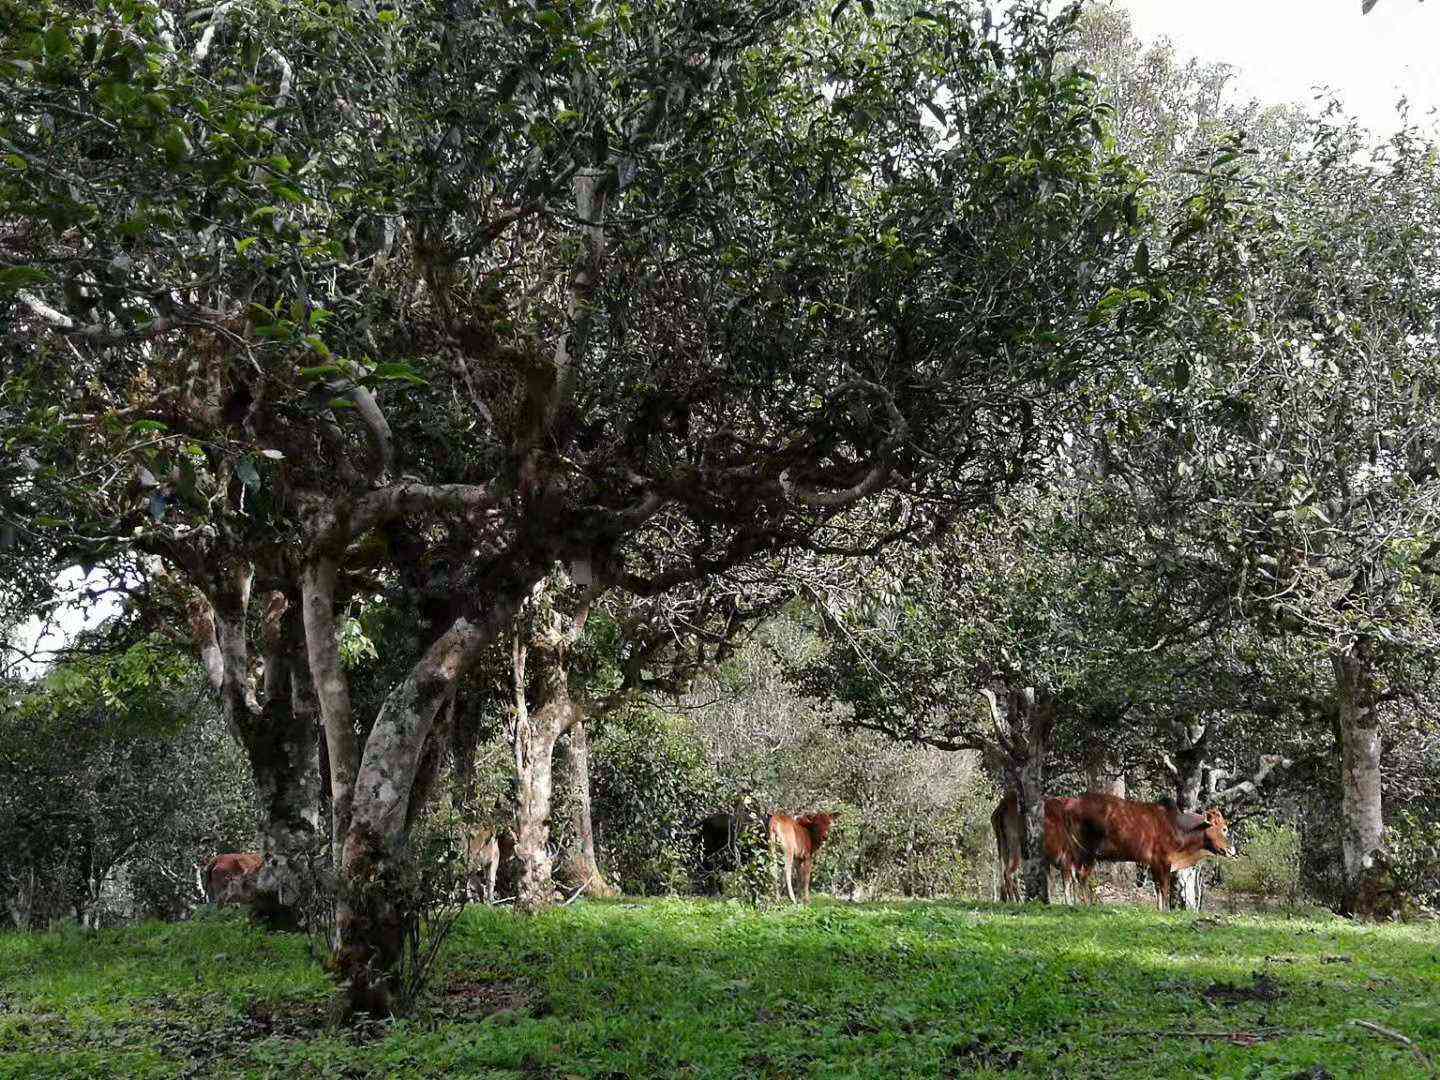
{"x": 1263, "y": 989}
{"x": 481, "y": 999}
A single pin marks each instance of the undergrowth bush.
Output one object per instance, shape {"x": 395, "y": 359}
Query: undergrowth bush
{"x": 1414, "y": 845}
{"x": 650, "y": 785}
{"x": 1269, "y": 862}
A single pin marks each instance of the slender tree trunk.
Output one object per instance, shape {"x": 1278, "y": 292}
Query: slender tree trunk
{"x": 536, "y": 732}
{"x": 584, "y": 866}
{"x": 1106, "y": 776}
{"x": 1187, "y": 887}
{"x": 1362, "y": 825}
{"x": 1024, "y": 735}
{"x": 332, "y": 692}
{"x": 431, "y": 763}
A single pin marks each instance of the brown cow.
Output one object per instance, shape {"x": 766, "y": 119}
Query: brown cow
{"x": 482, "y": 863}
{"x": 799, "y": 838}
{"x": 230, "y": 879}
{"x": 1111, "y": 829}
{"x": 1061, "y": 845}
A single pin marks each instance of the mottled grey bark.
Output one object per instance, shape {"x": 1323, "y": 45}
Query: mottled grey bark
{"x": 1362, "y": 823}
{"x": 536, "y": 732}
{"x": 332, "y": 692}
{"x": 1187, "y": 889}
{"x": 367, "y": 923}
{"x": 283, "y": 747}
{"x": 583, "y": 866}
{"x": 1024, "y": 736}
{"x": 543, "y": 635}
{"x": 276, "y": 728}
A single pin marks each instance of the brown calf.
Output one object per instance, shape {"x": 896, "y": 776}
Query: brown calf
{"x": 1062, "y": 849}
{"x": 230, "y": 879}
{"x": 482, "y": 863}
{"x": 1111, "y": 829}
{"x": 799, "y": 839}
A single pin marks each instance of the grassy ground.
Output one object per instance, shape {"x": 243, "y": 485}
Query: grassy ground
{"x": 709, "y": 989}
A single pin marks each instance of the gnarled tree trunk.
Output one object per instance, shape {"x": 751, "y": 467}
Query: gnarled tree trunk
{"x": 277, "y": 729}
{"x": 1362, "y": 824}
{"x": 582, "y": 865}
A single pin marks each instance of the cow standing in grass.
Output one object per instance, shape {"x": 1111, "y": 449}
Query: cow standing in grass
{"x": 1156, "y": 835}
{"x": 1106, "y": 828}
{"x": 799, "y": 839}
{"x": 1062, "y": 850}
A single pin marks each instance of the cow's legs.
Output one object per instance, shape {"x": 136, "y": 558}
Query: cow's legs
{"x": 805, "y": 864}
{"x": 490, "y": 878}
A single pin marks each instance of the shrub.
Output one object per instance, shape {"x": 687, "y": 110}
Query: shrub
{"x": 650, "y": 786}
{"x": 116, "y": 777}
{"x": 1414, "y": 845}
{"x": 1269, "y": 862}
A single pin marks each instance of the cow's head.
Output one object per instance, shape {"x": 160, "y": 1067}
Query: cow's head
{"x": 1217, "y": 834}
{"x": 819, "y": 825}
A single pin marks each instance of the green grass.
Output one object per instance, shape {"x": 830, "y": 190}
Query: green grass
{"x": 709, "y": 989}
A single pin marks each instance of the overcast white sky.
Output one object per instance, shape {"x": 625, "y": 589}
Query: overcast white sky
{"x": 1282, "y": 48}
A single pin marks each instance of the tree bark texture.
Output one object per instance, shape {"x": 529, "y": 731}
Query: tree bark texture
{"x": 1187, "y": 889}
{"x": 367, "y": 923}
{"x": 536, "y": 732}
{"x": 277, "y": 733}
{"x": 583, "y": 866}
{"x": 1024, "y": 735}
{"x": 1362, "y": 823}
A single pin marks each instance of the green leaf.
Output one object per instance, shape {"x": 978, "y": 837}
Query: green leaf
{"x": 397, "y": 371}
{"x": 142, "y": 427}
{"x": 247, "y": 473}
{"x": 14, "y": 278}
{"x": 176, "y": 143}
{"x": 1142, "y": 259}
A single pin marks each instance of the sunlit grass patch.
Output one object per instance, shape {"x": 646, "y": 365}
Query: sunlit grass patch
{"x": 715, "y": 989}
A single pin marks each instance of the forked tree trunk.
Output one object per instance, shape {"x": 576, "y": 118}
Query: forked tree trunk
{"x": 278, "y": 733}
{"x": 542, "y": 634}
{"x": 1362, "y": 825}
{"x": 583, "y": 865}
